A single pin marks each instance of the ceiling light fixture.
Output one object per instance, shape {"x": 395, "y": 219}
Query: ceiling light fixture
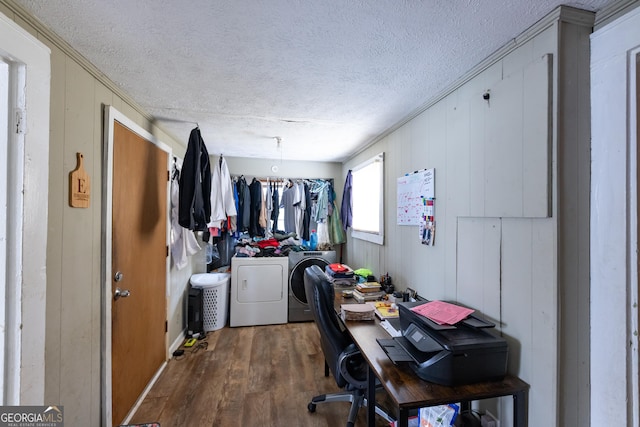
{"x": 276, "y": 168}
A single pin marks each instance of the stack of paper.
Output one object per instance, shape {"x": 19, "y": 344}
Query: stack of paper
{"x": 368, "y": 287}
{"x": 367, "y": 296}
{"x": 392, "y": 326}
{"x": 385, "y": 309}
{"x": 357, "y": 312}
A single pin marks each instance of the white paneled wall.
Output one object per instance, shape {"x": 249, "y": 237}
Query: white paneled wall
{"x": 478, "y": 265}
{"x": 615, "y": 65}
{"x": 498, "y": 241}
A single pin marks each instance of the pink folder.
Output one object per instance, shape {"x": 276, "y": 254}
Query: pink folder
{"x": 443, "y": 313}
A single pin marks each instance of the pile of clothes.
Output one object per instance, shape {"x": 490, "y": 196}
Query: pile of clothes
{"x": 341, "y": 275}
{"x": 277, "y": 245}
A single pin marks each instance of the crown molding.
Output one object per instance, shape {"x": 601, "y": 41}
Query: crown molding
{"x": 561, "y": 14}
{"x": 614, "y": 11}
{"x": 44, "y": 32}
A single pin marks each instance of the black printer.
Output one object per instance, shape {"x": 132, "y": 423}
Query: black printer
{"x": 459, "y": 354}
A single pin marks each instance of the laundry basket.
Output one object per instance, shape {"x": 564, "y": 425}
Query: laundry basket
{"x": 215, "y": 298}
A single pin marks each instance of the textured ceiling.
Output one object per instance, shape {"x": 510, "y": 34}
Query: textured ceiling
{"x": 326, "y": 76}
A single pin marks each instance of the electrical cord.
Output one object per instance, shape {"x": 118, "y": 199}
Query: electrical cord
{"x": 202, "y": 344}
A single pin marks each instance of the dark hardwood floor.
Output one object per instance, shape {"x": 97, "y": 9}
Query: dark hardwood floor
{"x": 250, "y": 376}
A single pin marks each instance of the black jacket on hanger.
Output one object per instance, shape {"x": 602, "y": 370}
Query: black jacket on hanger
{"x": 275, "y": 213}
{"x": 255, "y": 189}
{"x": 194, "y": 207}
{"x": 306, "y": 221}
{"x": 244, "y": 204}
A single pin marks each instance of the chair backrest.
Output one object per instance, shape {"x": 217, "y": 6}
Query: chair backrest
{"x": 333, "y": 339}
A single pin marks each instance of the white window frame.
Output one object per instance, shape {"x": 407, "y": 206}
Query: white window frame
{"x": 25, "y": 279}
{"x": 4, "y": 136}
{"x": 367, "y": 196}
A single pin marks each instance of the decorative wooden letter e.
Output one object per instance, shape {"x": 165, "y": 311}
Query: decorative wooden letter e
{"x": 79, "y": 185}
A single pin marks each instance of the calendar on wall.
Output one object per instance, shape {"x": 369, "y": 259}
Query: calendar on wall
{"x": 416, "y": 203}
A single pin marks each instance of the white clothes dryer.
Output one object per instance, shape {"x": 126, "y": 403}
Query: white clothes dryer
{"x": 299, "y": 310}
{"x": 258, "y": 291}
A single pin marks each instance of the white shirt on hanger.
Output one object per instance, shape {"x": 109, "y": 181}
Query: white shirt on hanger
{"x": 222, "y": 201}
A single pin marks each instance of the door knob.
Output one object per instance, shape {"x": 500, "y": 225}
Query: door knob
{"x": 120, "y": 293}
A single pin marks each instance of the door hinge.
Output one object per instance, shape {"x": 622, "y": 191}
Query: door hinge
{"x": 166, "y": 326}
{"x": 168, "y": 175}
{"x": 20, "y": 121}
{"x": 167, "y": 248}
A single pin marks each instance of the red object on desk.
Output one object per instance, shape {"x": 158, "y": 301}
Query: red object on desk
{"x": 339, "y": 268}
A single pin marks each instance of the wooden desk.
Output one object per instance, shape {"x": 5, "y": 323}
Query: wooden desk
{"x": 408, "y": 391}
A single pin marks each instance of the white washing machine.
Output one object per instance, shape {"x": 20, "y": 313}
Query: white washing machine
{"x": 299, "y": 310}
{"x": 258, "y": 291}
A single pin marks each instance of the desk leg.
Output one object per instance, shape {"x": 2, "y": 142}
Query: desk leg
{"x": 465, "y": 407}
{"x": 520, "y": 410}
{"x": 403, "y": 417}
{"x": 371, "y": 398}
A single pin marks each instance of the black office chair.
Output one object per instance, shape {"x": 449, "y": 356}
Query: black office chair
{"x": 342, "y": 357}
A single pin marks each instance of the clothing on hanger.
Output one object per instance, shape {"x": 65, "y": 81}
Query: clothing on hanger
{"x": 223, "y": 204}
{"x": 346, "y": 211}
{"x": 244, "y": 204}
{"x": 275, "y": 213}
{"x": 255, "y": 191}
{"x": 183, "y": 241}
{"x": 195, "y": 185}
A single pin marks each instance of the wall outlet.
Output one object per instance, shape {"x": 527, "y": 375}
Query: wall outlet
{"x": 489, "y": 420}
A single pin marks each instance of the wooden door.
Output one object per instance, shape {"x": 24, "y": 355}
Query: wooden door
{"x": 139, "y": 254}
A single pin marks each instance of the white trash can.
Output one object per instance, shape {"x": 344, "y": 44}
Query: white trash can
{"x": 215, "y": 298}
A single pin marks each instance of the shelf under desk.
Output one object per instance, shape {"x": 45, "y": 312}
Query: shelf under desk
{"x": 408, "y": 391}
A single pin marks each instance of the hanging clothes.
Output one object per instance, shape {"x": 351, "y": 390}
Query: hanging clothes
{"x": 346, "y": 214}
{"x": 336, "y": 231}
{"x": 306, "y": 219}
{"x": 269, "y": 209}
{"x": 222, "y": 202}
{"x": 299, "y": 202}
{"x": 262, "y": 217}
{"x": 331, "y": 197}
{"x": 244, "y": 204}
{"x": 183, "y": 241}
{"x": 275, "y": 213}
{"x": 320, "y": 190}
{"x": 324, "y": 241}
{"x": 255, "y": 191}
{"x": 286, "y": 202}
{"x": 194, "y": 210}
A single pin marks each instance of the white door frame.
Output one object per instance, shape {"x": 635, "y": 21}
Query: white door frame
{"x": 23, "y": 380}
{"x": 111, "y": 115}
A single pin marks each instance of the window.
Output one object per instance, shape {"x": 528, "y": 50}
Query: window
{"x": 367, "y": 198}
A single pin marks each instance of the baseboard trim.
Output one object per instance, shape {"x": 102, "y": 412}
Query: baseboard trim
{"x": 146, "y": 390}
{"x": 176, "y": 343}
